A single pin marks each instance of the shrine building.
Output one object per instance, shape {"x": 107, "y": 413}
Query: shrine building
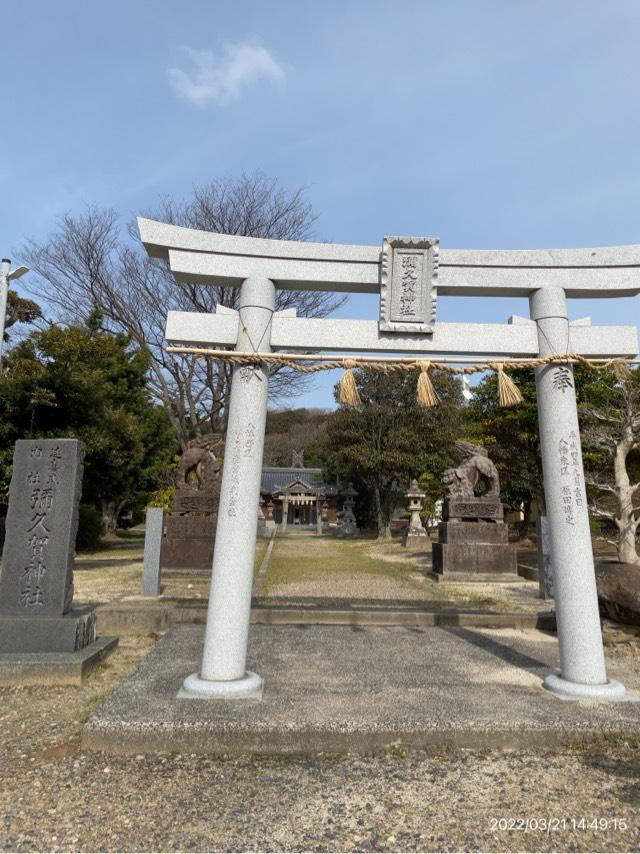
{"x": 298, "y": 494}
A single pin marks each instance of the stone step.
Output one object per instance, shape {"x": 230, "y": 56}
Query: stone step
{"x": 126, "y": 619}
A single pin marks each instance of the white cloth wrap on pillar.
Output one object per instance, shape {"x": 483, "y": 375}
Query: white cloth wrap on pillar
{"x": 227, "y": 632}
{"x": 579, "y": 633}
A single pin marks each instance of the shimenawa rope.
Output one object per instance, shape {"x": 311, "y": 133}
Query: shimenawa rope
{"x": 508, "y": 392}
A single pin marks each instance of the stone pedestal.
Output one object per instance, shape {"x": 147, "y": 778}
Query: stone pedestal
{"x": 473, "y": 542}
{"x": 70, "y": 632}
{"x": 189, "y": 541}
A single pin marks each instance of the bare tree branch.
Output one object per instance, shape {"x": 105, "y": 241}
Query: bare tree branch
{"x": 87, "y": 265}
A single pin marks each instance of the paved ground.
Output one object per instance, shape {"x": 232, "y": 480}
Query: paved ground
{"x": 304, "y": 566}
{"x": 54, "y": 796}
{"x": 336, "y": 688}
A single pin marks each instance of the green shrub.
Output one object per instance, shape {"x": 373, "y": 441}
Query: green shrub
{"x": 162, "y": 497}
{"x": 90, "y": 528}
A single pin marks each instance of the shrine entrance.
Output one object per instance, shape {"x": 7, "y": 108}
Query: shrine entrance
{"x": 408, "y": 273}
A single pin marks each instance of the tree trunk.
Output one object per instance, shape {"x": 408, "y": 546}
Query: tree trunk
{"x": 626, "y": 520}
{"x": 627, "y": 552}
{"x": 523, "y": 526}
{"x": 384, "y": 528}
{"x": 110, "y": 513}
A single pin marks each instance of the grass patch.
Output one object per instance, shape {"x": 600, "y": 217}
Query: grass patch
{"x": 299, "y": 558}
{"x": 607, "y": 742}
{"x": 261, "y": 550}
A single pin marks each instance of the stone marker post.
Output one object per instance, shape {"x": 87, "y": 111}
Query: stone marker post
{"x": 223, "y": 673}
{"x": 545, "y": 571}
{"x": 319, "y": 513}
{"x": 154, "y": 531}
{"x": 582, "y": 667}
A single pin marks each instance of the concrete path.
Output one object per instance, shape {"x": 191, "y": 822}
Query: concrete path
{"x": 334, "y": 688}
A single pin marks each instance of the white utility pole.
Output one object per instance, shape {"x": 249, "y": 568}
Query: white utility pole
{"x": 7, "y": 275}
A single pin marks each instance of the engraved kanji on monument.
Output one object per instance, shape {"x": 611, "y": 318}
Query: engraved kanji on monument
{"x": 408, "y": 279}
{"x": 36, "y": 583}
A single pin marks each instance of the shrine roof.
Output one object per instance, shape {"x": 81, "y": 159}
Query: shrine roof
{"x": 276, "y": 478}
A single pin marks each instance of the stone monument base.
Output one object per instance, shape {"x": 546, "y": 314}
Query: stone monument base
{"x": 34, "y": 634}
{"x": 54, "y": 668}
{"x": 415, "y": 541}
{"x": 349, "y": 532}
{"x": 473, "y": 542}
{"x": 187, "y": 548}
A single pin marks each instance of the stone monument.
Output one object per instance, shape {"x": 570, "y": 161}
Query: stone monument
{"x": 191, "y": 524}
{"x": 473, "y": 541}
{"x": 348, "y": 525}
{"x": 415, "y": 534}
{"x": 36, "y": 584}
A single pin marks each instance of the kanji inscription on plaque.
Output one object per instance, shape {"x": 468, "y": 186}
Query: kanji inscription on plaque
{"x": 408, "y": 274}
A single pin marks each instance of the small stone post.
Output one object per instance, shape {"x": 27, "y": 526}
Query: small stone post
{"x": 285, "y": 511}
{"x": 319, "y": 513}
{"x": 582, "y": 667}
{"x": 154, "y": 530}
{"x": 545, "y": 570}
{"x": 223, "y": 673}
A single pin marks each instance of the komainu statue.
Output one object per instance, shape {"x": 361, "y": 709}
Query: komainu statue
{"x": 475, "y": 467}
{"x": 191, "y": 524}
{"x": 198, "y": 467}
{"x": 473, "y": 538}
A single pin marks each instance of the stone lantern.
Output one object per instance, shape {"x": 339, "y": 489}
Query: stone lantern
{"x": 348, "y": 526}
{"x": 262, "y": 523}
{"x": 415, "y": 534}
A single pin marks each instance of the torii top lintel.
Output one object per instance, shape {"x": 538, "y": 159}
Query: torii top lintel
{"x": 222, "y": 259}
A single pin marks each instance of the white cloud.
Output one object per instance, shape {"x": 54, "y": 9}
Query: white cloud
{"x": 221, "y": 79}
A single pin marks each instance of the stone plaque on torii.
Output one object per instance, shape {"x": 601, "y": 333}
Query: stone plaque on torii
{"x": 408, "y": 273}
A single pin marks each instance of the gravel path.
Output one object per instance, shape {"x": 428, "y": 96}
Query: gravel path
{"x": 56, "y": 797}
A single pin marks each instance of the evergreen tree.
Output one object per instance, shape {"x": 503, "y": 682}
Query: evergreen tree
{"x": 389, "y": 439}
{"x": 85, "y": 383}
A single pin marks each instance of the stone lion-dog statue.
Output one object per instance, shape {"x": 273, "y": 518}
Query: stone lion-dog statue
{"x": 199, "y": 469}
{"x": 461, "y": 482}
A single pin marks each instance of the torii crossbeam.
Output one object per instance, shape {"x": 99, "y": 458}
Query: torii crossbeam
{"x": 408, "y": 273}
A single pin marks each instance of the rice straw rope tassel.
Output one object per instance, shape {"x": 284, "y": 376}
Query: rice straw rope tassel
{"x": 508, "y": 392}
{"x": 427, "y": 395}
{"x": 348, "y": 392}
{"x": 621, "y": 370}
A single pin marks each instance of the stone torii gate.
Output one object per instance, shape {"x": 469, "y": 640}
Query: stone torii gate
{"x": 407, "y": 273}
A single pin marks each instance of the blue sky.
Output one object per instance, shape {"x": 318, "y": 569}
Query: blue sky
{"x": 487, "y": 124}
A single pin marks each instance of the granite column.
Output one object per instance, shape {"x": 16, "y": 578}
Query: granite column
{"x": 582, "y": 668}
{"x": 223, "y": 673}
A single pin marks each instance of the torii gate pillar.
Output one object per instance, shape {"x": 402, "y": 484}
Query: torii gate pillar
{"x": 223, "y": 673}
{"x": 582, "y": 667}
